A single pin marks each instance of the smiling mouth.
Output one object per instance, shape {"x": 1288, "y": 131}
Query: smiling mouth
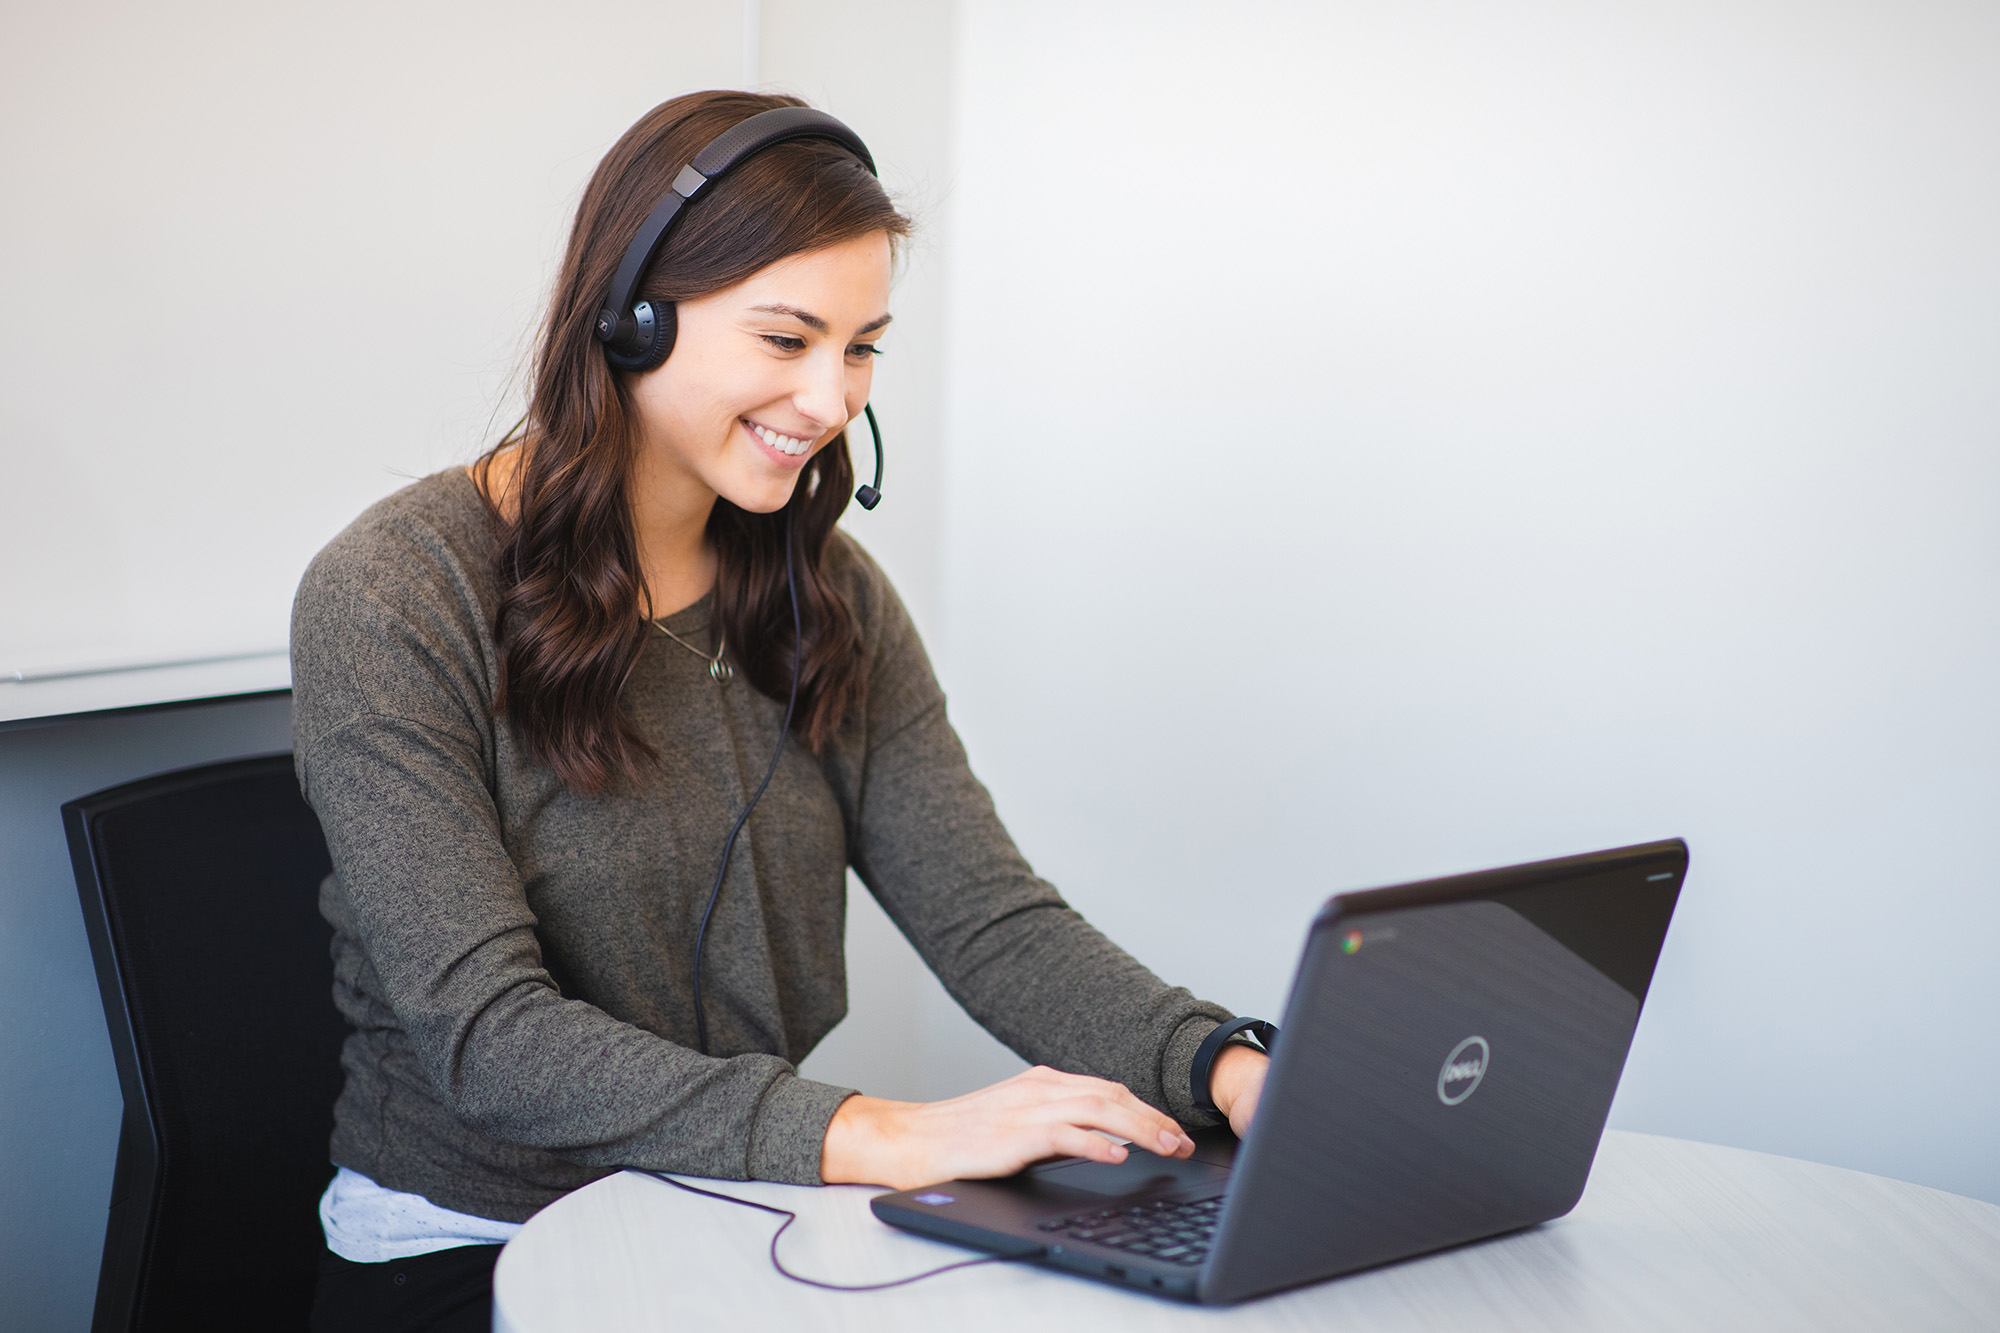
{"x": 784, "y": 444}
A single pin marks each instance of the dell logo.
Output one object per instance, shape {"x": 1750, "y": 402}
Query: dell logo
{"x": 1463, "y": 1070}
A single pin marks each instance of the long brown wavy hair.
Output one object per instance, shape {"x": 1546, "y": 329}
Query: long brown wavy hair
{"x": 571, "y": 621}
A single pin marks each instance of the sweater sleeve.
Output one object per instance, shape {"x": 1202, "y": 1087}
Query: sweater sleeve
{"x": 393, "y": 748}
{"x": 929, "y": 845}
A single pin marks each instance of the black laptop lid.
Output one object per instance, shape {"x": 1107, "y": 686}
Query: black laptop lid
{"x": 1449, "y": 1055}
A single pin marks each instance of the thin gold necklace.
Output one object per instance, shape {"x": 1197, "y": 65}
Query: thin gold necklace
{"x": 718, "y": 670}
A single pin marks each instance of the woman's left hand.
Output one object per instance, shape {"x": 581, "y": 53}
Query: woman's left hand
{"x": 1235, "y": 1082}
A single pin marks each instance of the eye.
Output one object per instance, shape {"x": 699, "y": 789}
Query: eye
{"x": 785, "y": 342}
{"x": 864, "y": 350}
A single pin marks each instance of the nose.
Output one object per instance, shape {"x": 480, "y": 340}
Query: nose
{"x": 821, "y": 396}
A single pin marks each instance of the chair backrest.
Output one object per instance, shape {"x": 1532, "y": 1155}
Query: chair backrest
{"x": 200, "y": 893}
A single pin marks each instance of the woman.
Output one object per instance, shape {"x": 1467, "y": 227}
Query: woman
{"x": 534, "y": 696}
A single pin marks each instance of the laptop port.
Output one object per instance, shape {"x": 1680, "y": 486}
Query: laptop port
{"x": 1113, "y": 1270}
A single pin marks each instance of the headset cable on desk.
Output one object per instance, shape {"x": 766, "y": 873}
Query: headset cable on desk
{"x": 791, "y": 1217}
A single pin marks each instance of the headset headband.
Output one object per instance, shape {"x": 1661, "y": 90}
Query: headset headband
{"x": 724, "y": 154}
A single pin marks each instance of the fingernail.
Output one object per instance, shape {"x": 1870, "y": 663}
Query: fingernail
{"x": 1169, "y": 1141}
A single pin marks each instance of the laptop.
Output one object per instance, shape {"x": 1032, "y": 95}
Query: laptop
{"x": 1442, "y": 1074}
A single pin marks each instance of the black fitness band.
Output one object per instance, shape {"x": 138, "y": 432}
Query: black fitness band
{"x": 1266, "y": 1035}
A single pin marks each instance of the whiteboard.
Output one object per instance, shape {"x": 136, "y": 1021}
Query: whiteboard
{"x": 268, "y": 264}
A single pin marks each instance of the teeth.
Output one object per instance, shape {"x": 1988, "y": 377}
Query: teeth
{"x": 784, "y": 444}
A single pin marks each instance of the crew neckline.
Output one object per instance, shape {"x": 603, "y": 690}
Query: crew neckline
{"x": 692, "y": 617}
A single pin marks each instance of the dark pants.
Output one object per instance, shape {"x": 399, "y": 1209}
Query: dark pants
{"x": 445, "y": 1291}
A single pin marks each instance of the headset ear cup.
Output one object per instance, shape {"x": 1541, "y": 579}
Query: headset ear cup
{"x": 654, "y": 339}
{"x": 667, "y": 325}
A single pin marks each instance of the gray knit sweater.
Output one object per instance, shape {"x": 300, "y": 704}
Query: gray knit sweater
{"x": 515, "y": 958}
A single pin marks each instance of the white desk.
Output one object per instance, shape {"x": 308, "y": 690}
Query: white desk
{"x": 1669, "y": 1235}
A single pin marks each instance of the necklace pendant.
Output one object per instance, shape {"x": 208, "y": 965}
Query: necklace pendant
{"x": 720, "y": 671}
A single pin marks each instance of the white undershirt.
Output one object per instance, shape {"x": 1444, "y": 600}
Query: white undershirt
{"x": 367, "y": 1224}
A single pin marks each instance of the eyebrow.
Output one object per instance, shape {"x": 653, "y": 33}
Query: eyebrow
{"x": 814, "y": 322}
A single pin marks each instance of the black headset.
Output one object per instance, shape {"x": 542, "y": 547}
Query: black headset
{"x": 639, "y": 337}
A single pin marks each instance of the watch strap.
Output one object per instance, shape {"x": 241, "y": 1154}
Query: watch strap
{"x": 1265, "y": 1034}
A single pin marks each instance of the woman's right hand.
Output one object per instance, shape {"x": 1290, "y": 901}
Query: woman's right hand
{"x": 993, "y": 1132}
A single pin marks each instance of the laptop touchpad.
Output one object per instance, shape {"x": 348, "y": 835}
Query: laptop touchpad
{"x": 1140, "y": 1173}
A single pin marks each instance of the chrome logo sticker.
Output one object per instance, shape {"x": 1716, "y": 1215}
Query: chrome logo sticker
{"x": 1463, "y": 1069}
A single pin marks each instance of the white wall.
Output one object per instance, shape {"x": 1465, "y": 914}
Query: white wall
{"x": 1391, "y": 440}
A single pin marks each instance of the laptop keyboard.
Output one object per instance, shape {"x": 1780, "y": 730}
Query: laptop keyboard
{"x": 1175, "y": 1230}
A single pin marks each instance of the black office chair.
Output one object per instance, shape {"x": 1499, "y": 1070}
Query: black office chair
{"x": 200, "y": 892}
